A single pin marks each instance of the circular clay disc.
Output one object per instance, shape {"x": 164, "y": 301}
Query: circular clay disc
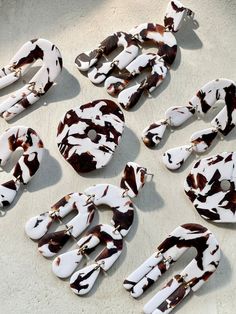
{"x": 211, "y": 187}
{"x": 88, "y": 135}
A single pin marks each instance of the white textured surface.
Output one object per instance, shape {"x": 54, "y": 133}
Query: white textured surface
{"x": 27, "y": 283}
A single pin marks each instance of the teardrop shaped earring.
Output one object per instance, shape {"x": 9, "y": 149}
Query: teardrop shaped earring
{"x": 201, "y": 103}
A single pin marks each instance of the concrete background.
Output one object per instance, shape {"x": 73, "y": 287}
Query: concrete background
{"x": 27, "y": 284}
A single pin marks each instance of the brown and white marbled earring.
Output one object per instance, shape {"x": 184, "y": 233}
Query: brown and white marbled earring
{"x": 88, "y": 135}
{"x": 201, "y": 103}
{"x": 190, "y": 279}
{"x": 30, "y": 52}
{"x": 118, "y": 199}
{"x": 128, "y": 64}
{"x": 28, "y": 164}
{"x": 211, "y": 187}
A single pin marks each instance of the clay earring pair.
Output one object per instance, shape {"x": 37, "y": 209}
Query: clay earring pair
{"x": 84, "y": 204}
{"x": 190, "y": 279}
{"x": 30, "y": 52}
{"x": 87, "y": 136}
{"x": 19, "y": 137}
{"x": 128, "y": 64}
{"x": 201, "y": 103}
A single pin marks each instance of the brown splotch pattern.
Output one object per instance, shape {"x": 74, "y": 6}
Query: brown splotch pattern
{"x": 204, "y": 188}
{"x": 50, "y": 243}
{"x": 28, "y": 164}
{"x": 162, "y": 38}
{"x": 133, "y": 178}
{"x": 31, "y": 51}
{"x": 83, "y": 153}
{"x": 169, "y": 251}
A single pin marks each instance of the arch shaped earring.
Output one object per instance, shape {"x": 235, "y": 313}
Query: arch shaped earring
{"x": 128, "y": 64}
{"x": 210, "y": 186}
{"x": 27, "y": 165}
{"x": 190, "y": 279}
{"x": 201, "y": 103}
{"x": 31, "y": 51}
{"x": 50, "y": 243}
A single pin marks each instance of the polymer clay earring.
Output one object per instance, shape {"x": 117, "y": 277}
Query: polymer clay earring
{"x": 31, "y": 51}
{"x": 201, "y": 103}
{"x": 128, "y": 64}
{"x": 191, "y": 278}
{"x": 28, "y": 164}
{"x": 87, "y": 136}
{"x": 50, "y": 243}
{"x": 210, "y": 186}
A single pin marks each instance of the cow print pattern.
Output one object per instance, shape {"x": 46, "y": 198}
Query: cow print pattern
{"x": 133, "y": 178}
{"x": 193, "y": 276}
{"x": 201, "y": 103}
{"x": 205, "y": 187}
{"x": 127, "y": 64}
{"x": 27, "y": 165}
{"x": 82, "y": 152}
{"x": 50, "y": 243}
{"x": 30, "y": 52}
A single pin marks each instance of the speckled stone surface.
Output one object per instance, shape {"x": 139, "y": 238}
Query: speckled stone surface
{"x": 27, "y": 282}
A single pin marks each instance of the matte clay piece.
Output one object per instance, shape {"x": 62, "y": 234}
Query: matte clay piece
{"x": 191, "y": 278}
{"x": 117, "y": 199}
{"x": 28, "y": 164}
{"x": 83, "y": 152}
{"x": 128, "y": 64}
{"x": 201, "y": 103}
{"x": 210, "y": 186}
{"x": 30, "y": 52}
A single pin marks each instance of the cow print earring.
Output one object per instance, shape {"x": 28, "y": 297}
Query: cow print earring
{"x": 50, "y": 243}
{"x": 128, "y": 64}
{"x": 28, "y": 164}
{"x": 201, "y": 103}
{"x": 30, "y": 52}
{"x": 210, "y": 186}
{"x": 88, "y": 135}
{"x": 192, "y": 277}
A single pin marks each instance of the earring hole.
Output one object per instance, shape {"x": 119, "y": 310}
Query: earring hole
{"x": 92, "y": 134}
{"x": 225, "y": 185}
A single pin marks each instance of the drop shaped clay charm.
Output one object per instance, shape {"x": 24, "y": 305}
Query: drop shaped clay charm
{"x": 175, "y": 157}
{"x": 153, "y": 134}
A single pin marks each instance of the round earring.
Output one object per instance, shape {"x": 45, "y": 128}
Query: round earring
{"x": 87, "y": 136}
{"x": 210, "y": 186}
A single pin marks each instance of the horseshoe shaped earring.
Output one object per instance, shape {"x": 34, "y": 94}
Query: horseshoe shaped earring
{"x": 50, "y": 243}
{"x": 28, "y": 164}
{"x": 87, "y": 136}
{"x": 128, "y": 63}
{"x": 210, "y": 186}
{"x": 31, "y": 51}
{"x": 201, "y": 103}
{"x": 192, "y": 277}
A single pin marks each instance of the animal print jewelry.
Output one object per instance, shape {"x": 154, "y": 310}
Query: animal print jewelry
{"x": 28, "y": 164}
{"x": 128, "y": 64}
{"x": 194, "y": 275}
{"x": 50, "y": 243}
{"x": 30, "y": 52}
{"x": 85, "y": 152}
{"x": 210, "y": 186}
{"x": 201, "y": 103}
